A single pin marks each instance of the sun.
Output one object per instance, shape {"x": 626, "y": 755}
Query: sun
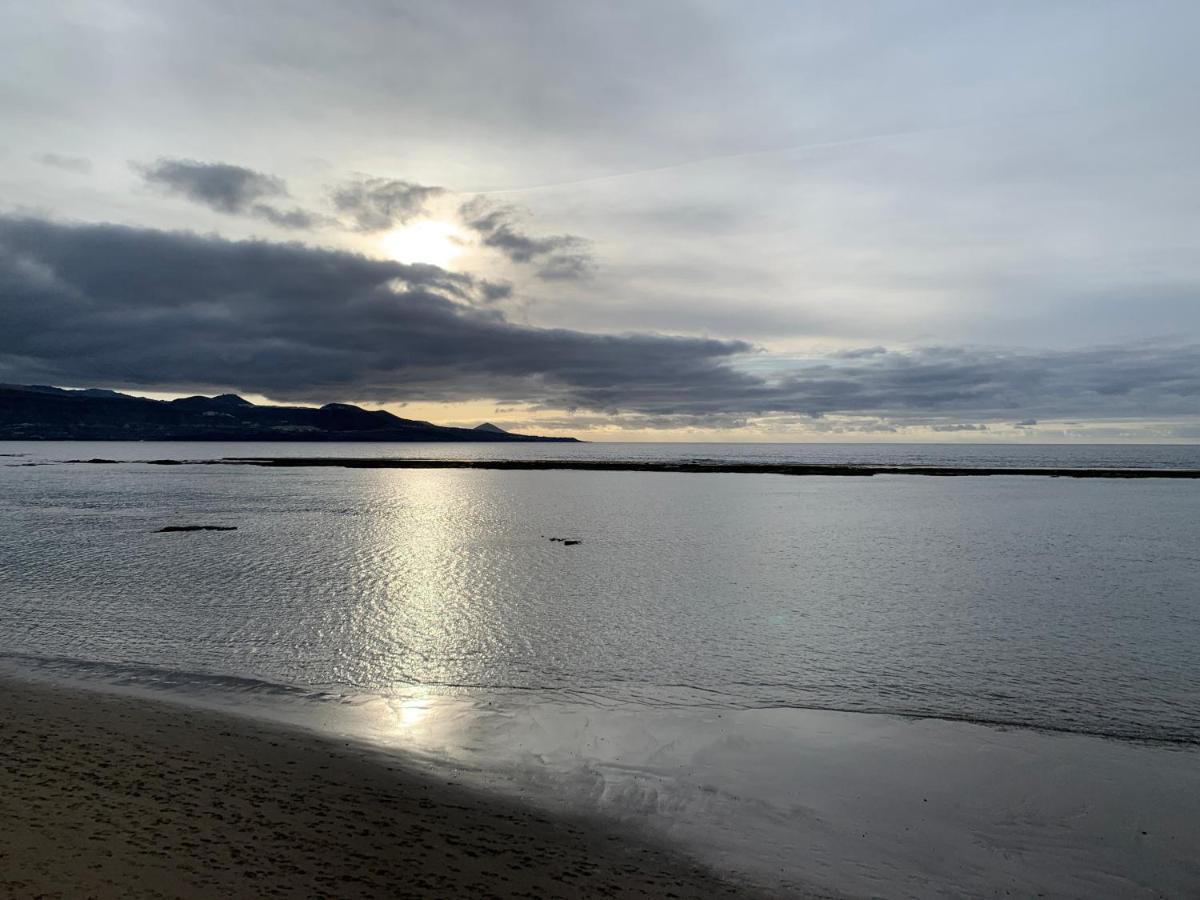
{"x": 431, "y": 242}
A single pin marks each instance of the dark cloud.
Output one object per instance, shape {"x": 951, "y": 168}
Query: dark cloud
{"x": 105, "y": 304}
{"x": 377, "y": 204}
{"x": 558, "y": 257}
{"x": 77, "y": 164}
{"x": 495, "y": 291}
{"x": 936, "y": 386}
{"x": 955, "y": 427}
{"x": 861, "y": 352}
{"x": 219, "y": 186}
{"x": 294, "y": 218}
{"x": 578, "y": 423}
{"x": 991, "y": 384}
{"x": 565, "y": 267}
{"x": 229, "y": 189}
{"x": 127, "y": 307}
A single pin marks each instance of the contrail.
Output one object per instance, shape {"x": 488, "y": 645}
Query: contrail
{"x": 791, "y": 148}
{"x": 748, "y": 154}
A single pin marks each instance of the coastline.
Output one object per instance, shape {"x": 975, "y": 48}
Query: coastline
{"x": 196, "y": 794}
{"x": 108, "y": 795}
{"x": 726, "y": 468}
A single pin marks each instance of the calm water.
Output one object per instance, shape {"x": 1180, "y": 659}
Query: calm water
{"x": 1171, "y": 456}
{"x": 1061, "y": 604}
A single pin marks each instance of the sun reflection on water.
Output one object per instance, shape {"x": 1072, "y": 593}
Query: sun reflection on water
{"x": 432, "y": 605}
{"x": 411, "y": 712}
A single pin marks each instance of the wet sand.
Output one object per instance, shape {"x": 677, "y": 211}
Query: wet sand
{"x": 112, "y": 796}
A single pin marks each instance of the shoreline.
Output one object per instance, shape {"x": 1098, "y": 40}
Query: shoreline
{"x": 524, "y": 465}
{"x": 774, "y": 802}
{"x": 111, "y": 795}
{"x": 794, "y": 803}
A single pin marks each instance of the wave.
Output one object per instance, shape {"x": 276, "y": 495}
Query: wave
{"x": 213, "y": 685}
{"x": 157, "y": 677}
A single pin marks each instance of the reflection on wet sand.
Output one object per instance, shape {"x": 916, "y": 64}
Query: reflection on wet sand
{"x": 867, "y": 804}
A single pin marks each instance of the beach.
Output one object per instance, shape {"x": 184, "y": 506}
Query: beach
{"x": 784, "y": 679}
{"x": 114, "y": 796}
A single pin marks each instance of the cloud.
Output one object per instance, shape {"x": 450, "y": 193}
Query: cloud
{"x": 377, "y": 204}
{"x": 78, "y": 164}
{"x": 565, "y": 267}
{"x": 295, "y": 218}
{"x": 107, "y": 304}
{"x": 220, "y": 186}
{"x": 229, "y": 189}
{"x": 861, "y": 352}
{"x": 129, "y": 307}
{"x": 1006, "y": 200}
{"x": 495, "y": 291}
{"x": 559, "y": 257}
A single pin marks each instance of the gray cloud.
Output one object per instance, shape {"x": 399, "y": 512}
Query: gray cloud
{"x": 294, "y": 218}
{"x": 565, "y": 267}
{"x": 958, "y": 426}
{"x": 376, "y": 204}
{"x": 495, "y": 291}
{"x": 78, "y": 164}
{"x": 861, "y": 352}
{"x": 127, "y": 307}
{"x": 137, "y": 307}
{"x": 219, "y": 186}
{"x": 234, "y": 190}
{"x": 958, "y": 199}
{"x": 559, "y": 257}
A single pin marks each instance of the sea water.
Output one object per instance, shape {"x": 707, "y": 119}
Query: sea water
{"x": 698, "y": 603}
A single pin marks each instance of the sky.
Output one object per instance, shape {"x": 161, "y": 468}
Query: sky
{"x": 679, "y": 220}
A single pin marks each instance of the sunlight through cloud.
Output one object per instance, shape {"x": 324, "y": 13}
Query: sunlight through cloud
{"x": 430, "y": 242}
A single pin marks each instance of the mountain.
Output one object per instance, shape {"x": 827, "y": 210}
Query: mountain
{"x": 83, "y": 392}
{"x": 40, "y": 412}
{"x": 488, "y": 426}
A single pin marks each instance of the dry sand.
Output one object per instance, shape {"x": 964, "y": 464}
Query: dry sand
{"x": 112, "y": 796}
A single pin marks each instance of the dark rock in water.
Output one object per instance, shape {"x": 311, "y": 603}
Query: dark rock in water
{"x": 565, "y": 542}
{"x": 197, "y": 528}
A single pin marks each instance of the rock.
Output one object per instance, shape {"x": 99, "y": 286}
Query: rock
{"x": 196, "y": 528}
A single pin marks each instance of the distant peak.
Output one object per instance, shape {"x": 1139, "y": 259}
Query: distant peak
{"x": 488, "y": 426}
{"x": 93, "y": 393}
{"x": 344, "y": 406}
{"x": 220, "y": 400}
{"x": 231, "y": 400}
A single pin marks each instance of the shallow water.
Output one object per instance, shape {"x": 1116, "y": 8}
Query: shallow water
{"x": 657, "y": 670}
{"x": 1057, "y": 604}
{"x": 1170, "y": 456}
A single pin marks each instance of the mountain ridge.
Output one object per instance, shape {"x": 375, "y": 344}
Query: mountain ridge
{"x": 43, "y": 412}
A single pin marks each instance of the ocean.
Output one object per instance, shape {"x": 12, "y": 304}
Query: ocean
{"x": 1056, "y": 606}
